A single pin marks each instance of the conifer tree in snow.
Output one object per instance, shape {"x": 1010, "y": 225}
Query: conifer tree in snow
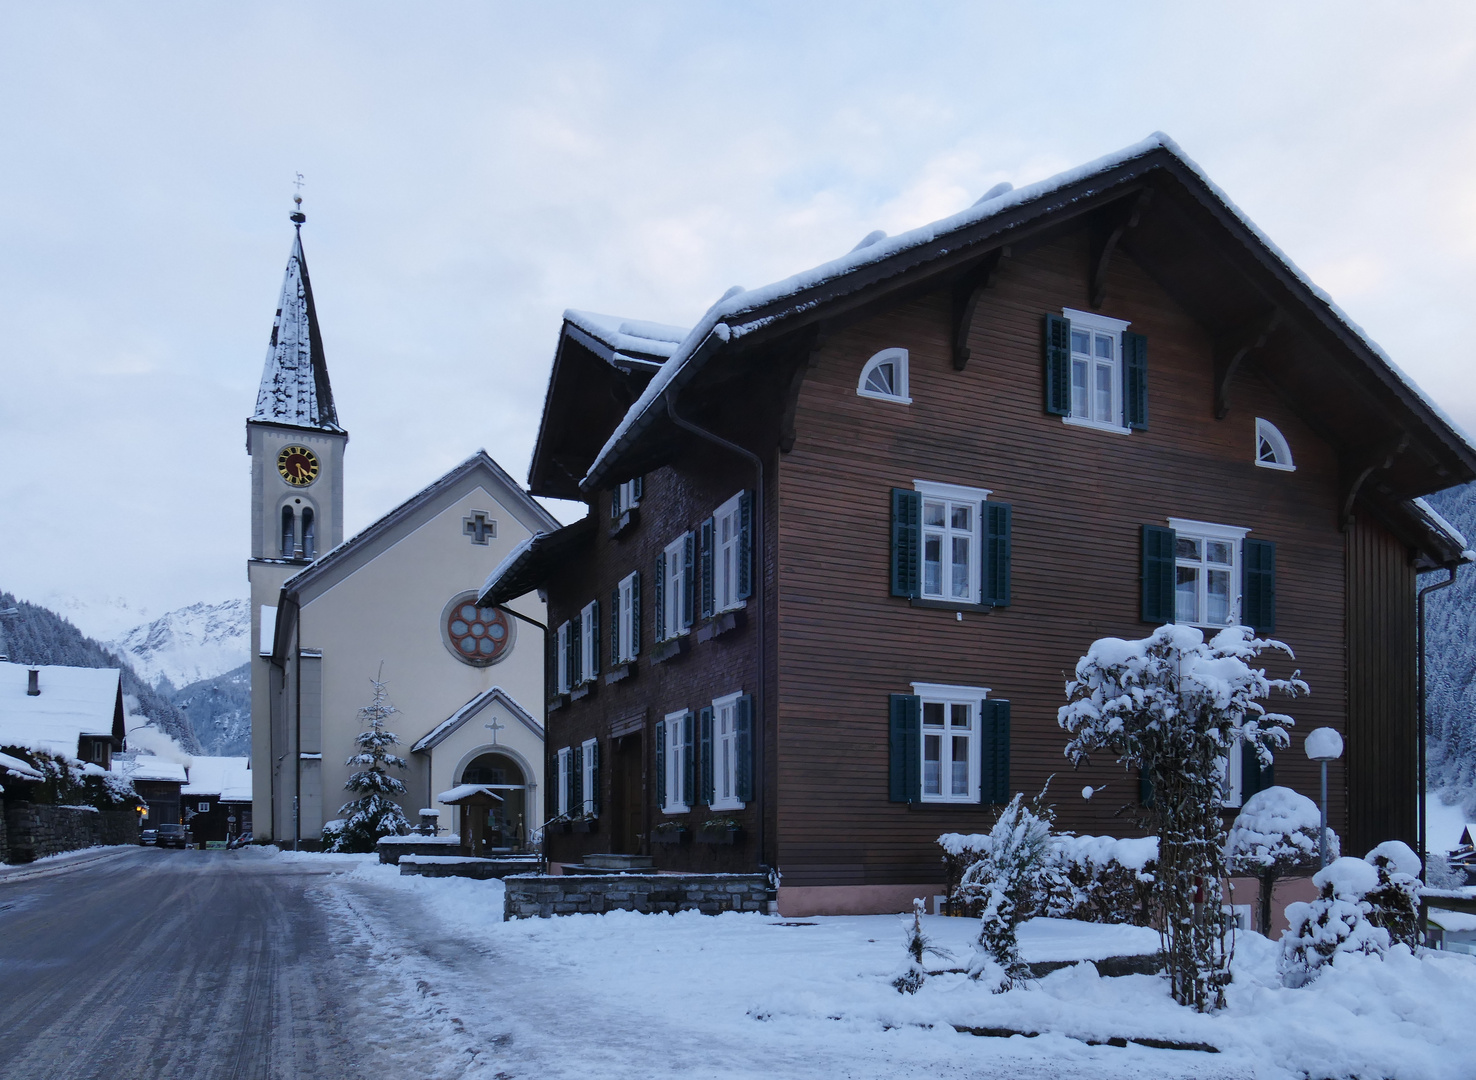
{"x": 1175, "y": 707}
{"x": 374, "y": 813}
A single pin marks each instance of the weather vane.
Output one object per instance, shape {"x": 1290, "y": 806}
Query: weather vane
{"x": 298, "y": 217}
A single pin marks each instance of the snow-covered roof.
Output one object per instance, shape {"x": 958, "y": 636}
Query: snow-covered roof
{"x": 228, "y": 777}
{"x": 629, "y": 339}
{"x": 495, "y": 693}
{"x": 740, "y": 312}
{"x": 1441, "y": 525}
{"x": 524, "y": 566}
{"x": 149, "y": 767}
{"x": 462, "y": 792}
{"x": 294, "y": 384}
{"x": 14, "y": 766}
{"x": 74, "y": 701}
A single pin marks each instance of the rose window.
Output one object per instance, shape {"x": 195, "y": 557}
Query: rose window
{"x": 477, "y": 635}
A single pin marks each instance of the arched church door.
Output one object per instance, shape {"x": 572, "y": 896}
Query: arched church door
{"x": 506, "y": 826}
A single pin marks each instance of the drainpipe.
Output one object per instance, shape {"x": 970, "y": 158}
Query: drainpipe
{"x": 759, "y": 728}
{"x": 1420, "y": 624}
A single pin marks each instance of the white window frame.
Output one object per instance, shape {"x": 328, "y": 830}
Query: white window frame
{"x": 563, "y": 780}
{"x": 949, "y": 696}
{"x": 1235, "y": 766}
{"x": 725, "y": 573}
{"x": 627, "y": 636}
{"x": 674, "y": 573}
{"x": 587, "y": 777}
{"x": 1268, "y": 431}
{"x": 561, "y": 657}
{"x": 1208, "y": 530}
{"x": 1095, "y": 324}
{"x": 625, "y": 497}
{"x": 588, "y": 661}
{"x": 896, "y": 357}
{"x": 725, "y": 753}
{"x": 676, "y": 731}
{"x": 952, "y": 495}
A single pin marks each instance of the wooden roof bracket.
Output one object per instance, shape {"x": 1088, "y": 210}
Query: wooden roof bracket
{"x": 801, "y": 362}
{"x": 1232, "y": 348}
{"x": 1379, "y": 461}
{"x": 966, "y": 296}
{"x": 1116, "y": 220}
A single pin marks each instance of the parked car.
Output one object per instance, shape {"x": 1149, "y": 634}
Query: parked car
{"x": 174, "y": 836}
{"x": 148, "y": 837}
{"x": 244, "y": 840}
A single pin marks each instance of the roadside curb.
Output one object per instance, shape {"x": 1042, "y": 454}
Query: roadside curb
{"x": 28, "y": 871}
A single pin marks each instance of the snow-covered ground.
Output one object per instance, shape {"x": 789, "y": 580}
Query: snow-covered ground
{"x": 624, "y": 995}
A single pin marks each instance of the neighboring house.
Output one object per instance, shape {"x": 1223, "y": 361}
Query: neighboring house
{"x": 850, "y": 537}
{"x": 219, "y": 790}
{"x": 74, "y": 711}
{"x": 397, "y": 602}
{"x": 158, "y": 783}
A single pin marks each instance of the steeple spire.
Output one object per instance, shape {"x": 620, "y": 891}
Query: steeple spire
{"x": 294, "y": 384}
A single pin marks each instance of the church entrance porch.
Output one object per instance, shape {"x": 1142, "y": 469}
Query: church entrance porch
{"x": 497, "y": 825}
{"x": 628, "y": 796}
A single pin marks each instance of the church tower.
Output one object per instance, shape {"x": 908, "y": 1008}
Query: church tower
{"x": 296, "y": 447}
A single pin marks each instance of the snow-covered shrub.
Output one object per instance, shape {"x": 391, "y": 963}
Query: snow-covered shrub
{"x": 1175, "y": 706}
{"x": 1010, "y": 878}
{"x": 1274, "y": 834}
{"x": 373, "y": 814}
{"x": 1394, "y": 903}
{"x": 65, "y": 781}
{"x": 1336, "y": 922}
{"x": 1103, "y": 879}
{"x": 918, "y": 946}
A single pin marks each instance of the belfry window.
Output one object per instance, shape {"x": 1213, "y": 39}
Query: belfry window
{"x": 289, "y": 532}
{"x": 309, "y": 533}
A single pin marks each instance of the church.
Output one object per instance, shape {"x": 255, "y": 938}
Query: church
{"x": 396, "y": 603}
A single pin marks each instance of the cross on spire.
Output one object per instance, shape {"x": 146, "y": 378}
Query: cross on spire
{"x": 479, "y": 526}
{"x": 494, "y": 727}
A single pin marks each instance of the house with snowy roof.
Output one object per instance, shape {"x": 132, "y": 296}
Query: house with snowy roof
{"x": 395, "y": 602}
{"x": 158, "y": 782}
{"x": 72, "y": 711}
{"x": 216, "y": 800}
{"x": 850, "y": 533}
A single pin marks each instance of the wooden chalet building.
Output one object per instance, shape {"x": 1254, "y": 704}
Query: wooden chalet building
{"x": 849, "y": 535}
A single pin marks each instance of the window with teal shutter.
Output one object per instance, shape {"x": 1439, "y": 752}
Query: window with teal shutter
{"x": 906, "y": 542}
{"x": 635, "y": 614}
{"x": 994, "y": 755}
{"x": 660, "y": 764}
{"x": 1253, "y": 776}
{"x": 576, "y": 781}
{"x": 659, "y": 582}
{"x": 704, "y": 725}
{"x": 1135, "y": 380}
{"x": 705, "y": 558}
{"x": 1159, "y": 562}
{"x": 1258, "y": 587}
{"x": 615, "y": 627}
{"x": 1057, "y": 365}
{"x": 576, "y": 659}
{"x": 689, "y": 577}
{"x": 745, "y": 546}
{"x": 594, "y": 778}
{"x": 905, "y": 749}
{"x": 997, "y": 554}
{"x": 743, "y": 780}
{"x": 689, "y": 795}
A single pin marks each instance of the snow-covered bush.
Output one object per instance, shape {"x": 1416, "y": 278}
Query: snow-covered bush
{"x": 1010, "y": 877}
{"x": 1175, "y": 706}
{"x": 1103, "y": 879}
{"x": 1274, "y": 834}
{"x": 918, "y": 946}
{"x": 65, "y": 781}
{"x": 373, "y": 814}
{"x": 1394, "y": 903}
{"x": 1336, "y": 922}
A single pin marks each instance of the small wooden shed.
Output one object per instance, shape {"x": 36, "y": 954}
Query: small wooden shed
{"x": 475, "y": 804}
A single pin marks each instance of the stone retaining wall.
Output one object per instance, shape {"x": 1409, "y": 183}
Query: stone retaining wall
{"x": 35, "y": 831}
{"x": 466, "y": 866}
{"x": 391, "y": 848}
{"x": 542, "y": 895}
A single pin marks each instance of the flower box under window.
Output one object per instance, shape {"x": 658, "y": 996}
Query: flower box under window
{"x": 669, "y": 836}
{"x": 721, "y": 834}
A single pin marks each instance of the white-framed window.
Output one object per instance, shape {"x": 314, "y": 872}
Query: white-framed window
{"x": 673, "y": 584}
{"x": 625, "y": 496}
{"x": 589, "y": 767}
{"x": 951, "y": 540}
{"x": 562, "y": 663}
{"x": 204, "y": 808}
{"x": 725, "y": 750}
{"x": 589, "y": 642}
{"x": 676, "y": 757}
{"x": 884, "y": 376}
{"x": 630, "y": 592}
{"x": 950, "y": 741}
{"x": 727, "y": 550}
{"x": 1272, "y": 451}
{"x": 1096, "y": 370}
{"x": 1207, "y": 572}
{"x": 565, "y": 758}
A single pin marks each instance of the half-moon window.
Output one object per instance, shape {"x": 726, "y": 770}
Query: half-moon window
{"x": 885, "y": 377}
{"x": 1272, "y": 451}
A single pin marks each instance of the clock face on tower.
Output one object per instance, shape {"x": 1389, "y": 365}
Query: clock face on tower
{"x": 298, "y": 465}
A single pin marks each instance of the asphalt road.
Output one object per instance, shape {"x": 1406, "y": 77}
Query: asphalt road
{"x": 150, "y": 963}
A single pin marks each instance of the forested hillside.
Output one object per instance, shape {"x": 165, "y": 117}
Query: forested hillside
{"x": 1450, "y": 627}
{"x": 219, "y": 710}
{"x": 40, "y": 636}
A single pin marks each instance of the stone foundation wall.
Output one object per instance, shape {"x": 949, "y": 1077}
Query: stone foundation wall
{"x": 532, "y": 896}
{"x": 35, "y": 831}
{"x": 465, "y": 866}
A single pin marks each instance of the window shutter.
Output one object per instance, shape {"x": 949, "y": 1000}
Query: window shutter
{"x": 637, "y": 489}
{"x": 997, "y": 553}
{"x": 576, "y": 652}
{"x": 1057, "y": 365}
{"x": 615, "y": 627}
{"x": 689, "y": 543}
{"x": 1135, "y": 380}
{"x": 689, "y": 750}
{"x": 659, "y": 615}
{"x": 905, "y": 744}
{"x": 1159, "y": 546}
{"x": 551, "y": 671}
{"x": 906, "y": 542}
{"x": 576, "y": 780}
{"x": 704, "y": 725}
{"x": 745, "y": 545}
{"x": 594, "y": 778}
{"x": 615, "y": 503}
{"x": 567, "y": 659}
{"x": 661, "y": 764}
{"x": 743, "y": 745}
{"x": 1258, "y": 586}
{"x": 706, "y": 560}
{"x": 594, "y": 639}
{"x": 1145, "y": 790}
{"x": 994, "y": 752}
{"x": 635, "y": 614}
{"x": 1253, "y": 777}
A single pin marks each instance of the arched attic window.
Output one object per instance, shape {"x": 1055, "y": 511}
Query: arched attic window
{"x": 289, "y": 532}
{"x": 885, "y": 376}
{"x": 1272, "y": 452}
{"x": 309, "y": 534}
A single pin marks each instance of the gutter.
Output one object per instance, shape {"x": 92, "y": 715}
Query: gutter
{"x": 1420, "y": 710}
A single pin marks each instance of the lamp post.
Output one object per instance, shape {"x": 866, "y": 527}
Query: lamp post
{"x": 1324, "y": 744}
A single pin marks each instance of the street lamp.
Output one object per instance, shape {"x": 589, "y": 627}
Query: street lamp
{"x": 1324, "y": 744}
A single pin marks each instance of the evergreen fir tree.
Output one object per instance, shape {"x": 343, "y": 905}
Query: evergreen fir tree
{"x": 374, "y": 813}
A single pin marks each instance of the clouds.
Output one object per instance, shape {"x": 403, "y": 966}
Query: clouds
{"x": 473, "y": 169}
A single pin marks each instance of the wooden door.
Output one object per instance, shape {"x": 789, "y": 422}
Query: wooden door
{"x": 627, "y": 794}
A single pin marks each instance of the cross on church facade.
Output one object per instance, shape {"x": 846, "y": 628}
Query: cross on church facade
{"x": 494, "y": 727}
{"x": 479, "y": 526}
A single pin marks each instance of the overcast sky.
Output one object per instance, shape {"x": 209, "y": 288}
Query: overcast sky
{"x": 473, "y": 169}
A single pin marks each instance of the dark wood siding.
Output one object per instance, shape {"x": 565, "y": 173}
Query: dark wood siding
{"x": 1079, "y": 498}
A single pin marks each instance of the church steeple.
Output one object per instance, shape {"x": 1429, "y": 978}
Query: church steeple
{"x": 294, "y": 384}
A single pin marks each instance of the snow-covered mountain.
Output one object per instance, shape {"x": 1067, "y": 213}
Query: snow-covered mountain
{"x": 189, "y": 644}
